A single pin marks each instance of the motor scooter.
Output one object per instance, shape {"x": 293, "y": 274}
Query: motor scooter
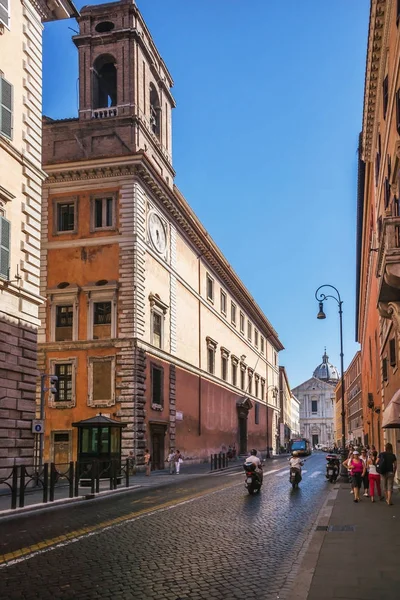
{"x": 332, "y": 467}
{"x": 295, "y": 477}
{"x": 252, "y": 481}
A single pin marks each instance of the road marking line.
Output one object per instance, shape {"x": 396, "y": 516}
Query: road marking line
{"x": 315, "y": 474}
{"x": 23, "y": 554}
{"x": 282, "y": 473}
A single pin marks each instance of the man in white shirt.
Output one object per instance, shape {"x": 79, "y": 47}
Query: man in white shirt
{"x": 253, "y": 458}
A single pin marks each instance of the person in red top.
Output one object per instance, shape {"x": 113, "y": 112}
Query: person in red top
{"x": 357, "y": 469}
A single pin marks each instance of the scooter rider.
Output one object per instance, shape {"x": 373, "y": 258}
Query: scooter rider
{"x": 295, "y": 462}
{"x": 253, "y": 458}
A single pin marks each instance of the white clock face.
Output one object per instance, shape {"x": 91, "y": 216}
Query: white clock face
{"x": 157, "y": 233}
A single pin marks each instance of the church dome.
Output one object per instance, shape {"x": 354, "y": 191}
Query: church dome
{"x": 325, "y": 371}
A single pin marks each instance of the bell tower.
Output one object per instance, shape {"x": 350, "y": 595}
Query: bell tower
{"x": 125, "y": 100}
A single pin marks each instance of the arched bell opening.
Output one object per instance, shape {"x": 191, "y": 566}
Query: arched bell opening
{"x": 104, "y": 82}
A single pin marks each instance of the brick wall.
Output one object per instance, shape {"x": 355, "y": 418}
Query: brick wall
{"x": 18, "y": 353}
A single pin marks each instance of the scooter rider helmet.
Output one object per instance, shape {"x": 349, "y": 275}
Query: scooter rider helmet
{"x": 253, "y": 452}
{"x": 295, "y": 453}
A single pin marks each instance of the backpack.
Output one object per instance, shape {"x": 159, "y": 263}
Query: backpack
{"x": 381, "y": 469}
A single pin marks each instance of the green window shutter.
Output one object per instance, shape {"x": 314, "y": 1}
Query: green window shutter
{"x": 5, "y": 12}
{"x": 5, "y": 227}
{"x": 6, "y": 100}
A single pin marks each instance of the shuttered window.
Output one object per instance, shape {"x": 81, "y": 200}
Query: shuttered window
{"x": 5, "y": 12}
{"x": 6, "y": 97}
{"x": 5, "y": 227}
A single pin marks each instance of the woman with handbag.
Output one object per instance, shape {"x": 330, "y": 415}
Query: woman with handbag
{"x": 357, "y": 469}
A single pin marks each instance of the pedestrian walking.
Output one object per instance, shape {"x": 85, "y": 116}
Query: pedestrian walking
{"x": 365, "y": 480}
{"x": 178, "y": 461}
{"x": 147, "y": 461}
{"x": 171, "y": 460}
{"x": 387, "y": 465}
{"x": 131, "y": 463}
{"x": 373, "y": 476}
{"x": 357, "y": 469}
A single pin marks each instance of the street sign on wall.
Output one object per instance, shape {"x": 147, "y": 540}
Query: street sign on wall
{"x": 179, "y": 415}
{"x": 37, "y": 426}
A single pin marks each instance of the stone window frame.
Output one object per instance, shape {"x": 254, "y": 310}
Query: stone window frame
{"x": 256, "y": 384}
{"x": 223, "y": 300}
{"x": 103, "y": 196}
{"x": 211, "y": 346}
{"x": 65, "y": 200}
{"x": 243, "y": 368}
{"x": 234, "y": 369}
{"x": 104, "y": 293}
{"x": 262, "y": 344}
{"x": 242, "y": 322}
{"x": 73, "y": 360}
{"x": 250, "y": 379}
{"x": 157, "y": 306}
{"x": 256, "y": 337}
{"x": 233, "y": 313}
{"x": 99, "y": 359}
{"x": 249, "y": 330}
{"x": 154, "y": 405}
{"x": 224, "y": 359}
{"x": 64, "y": 297}
{"x": 211, "y": 280}
{"x": 262, "y": 388}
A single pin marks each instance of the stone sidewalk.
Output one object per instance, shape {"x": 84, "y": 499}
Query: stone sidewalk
{"x": 354, "y": 551}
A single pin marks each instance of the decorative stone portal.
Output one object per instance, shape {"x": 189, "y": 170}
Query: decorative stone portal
{"x": 243, "y": 406}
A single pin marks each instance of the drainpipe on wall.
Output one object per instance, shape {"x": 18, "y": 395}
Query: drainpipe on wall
{"x": 200, "y": 378}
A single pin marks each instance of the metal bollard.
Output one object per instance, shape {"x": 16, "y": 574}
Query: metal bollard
{"x": 14, "y": 489}
{"x": 215, "y": 461}
{"x": 52, "y": 481}
{"x": 127, "y": 465}
{"x": 219, "y": 460}
{"x": 45, "y": 482}
{"x": 71, "y": 479}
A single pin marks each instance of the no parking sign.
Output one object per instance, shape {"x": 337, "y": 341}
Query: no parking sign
{"x": 38, "y": 426}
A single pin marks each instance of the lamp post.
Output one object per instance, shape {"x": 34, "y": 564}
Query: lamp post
{"x": 274, "y": 395}
{"x": 321, "y": 297}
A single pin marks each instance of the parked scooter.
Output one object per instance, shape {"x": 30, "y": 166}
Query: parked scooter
{"x": 332, "y": 467}
{"x": 252, "y": 481}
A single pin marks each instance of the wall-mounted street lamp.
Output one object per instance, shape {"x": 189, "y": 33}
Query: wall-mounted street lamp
{"x": 275, "y": 392}
{"x": 321, "y": 297}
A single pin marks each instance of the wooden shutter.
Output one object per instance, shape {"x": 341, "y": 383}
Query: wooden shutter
{"x": 5, "y": 12}
{"x": 6, "y": 98}
{"x": 5, "y": 227}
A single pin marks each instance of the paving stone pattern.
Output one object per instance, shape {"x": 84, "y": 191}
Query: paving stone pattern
{"x": 225, "y": 545}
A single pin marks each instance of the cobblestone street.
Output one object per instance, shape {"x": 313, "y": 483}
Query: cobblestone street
{"x": 204, "y": 538}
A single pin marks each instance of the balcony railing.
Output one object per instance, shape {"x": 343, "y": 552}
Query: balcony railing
{"x": 105, "y": 113}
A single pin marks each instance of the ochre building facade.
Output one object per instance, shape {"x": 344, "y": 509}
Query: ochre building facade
{"x": 378, "y": 228}
{"x": 145, "y": 321}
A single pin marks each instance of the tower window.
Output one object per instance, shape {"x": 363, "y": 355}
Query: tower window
{"x": 155, "y": 111}
{"x": 104, "y": 82}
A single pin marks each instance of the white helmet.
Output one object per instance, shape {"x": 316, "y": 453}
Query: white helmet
{"x": 295, "y": 453}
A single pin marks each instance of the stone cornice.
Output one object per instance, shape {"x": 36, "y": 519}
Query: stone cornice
{"x": 378, "y": 31}
{"x": 178, "y": 208}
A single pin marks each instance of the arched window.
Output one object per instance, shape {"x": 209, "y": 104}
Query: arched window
{"x": 155, "y": 111}
{"x": 104, "y": 82}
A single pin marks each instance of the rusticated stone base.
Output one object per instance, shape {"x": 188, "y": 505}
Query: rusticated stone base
{"x": 18, "y": 373}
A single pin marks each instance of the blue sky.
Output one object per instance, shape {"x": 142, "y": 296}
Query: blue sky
{"x": 269, "y": 106}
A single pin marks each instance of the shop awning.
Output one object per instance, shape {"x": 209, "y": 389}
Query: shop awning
{"x": 391, "y": 414}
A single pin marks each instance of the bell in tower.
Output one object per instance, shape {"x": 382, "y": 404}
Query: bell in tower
{"x": 125, "y": 100}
